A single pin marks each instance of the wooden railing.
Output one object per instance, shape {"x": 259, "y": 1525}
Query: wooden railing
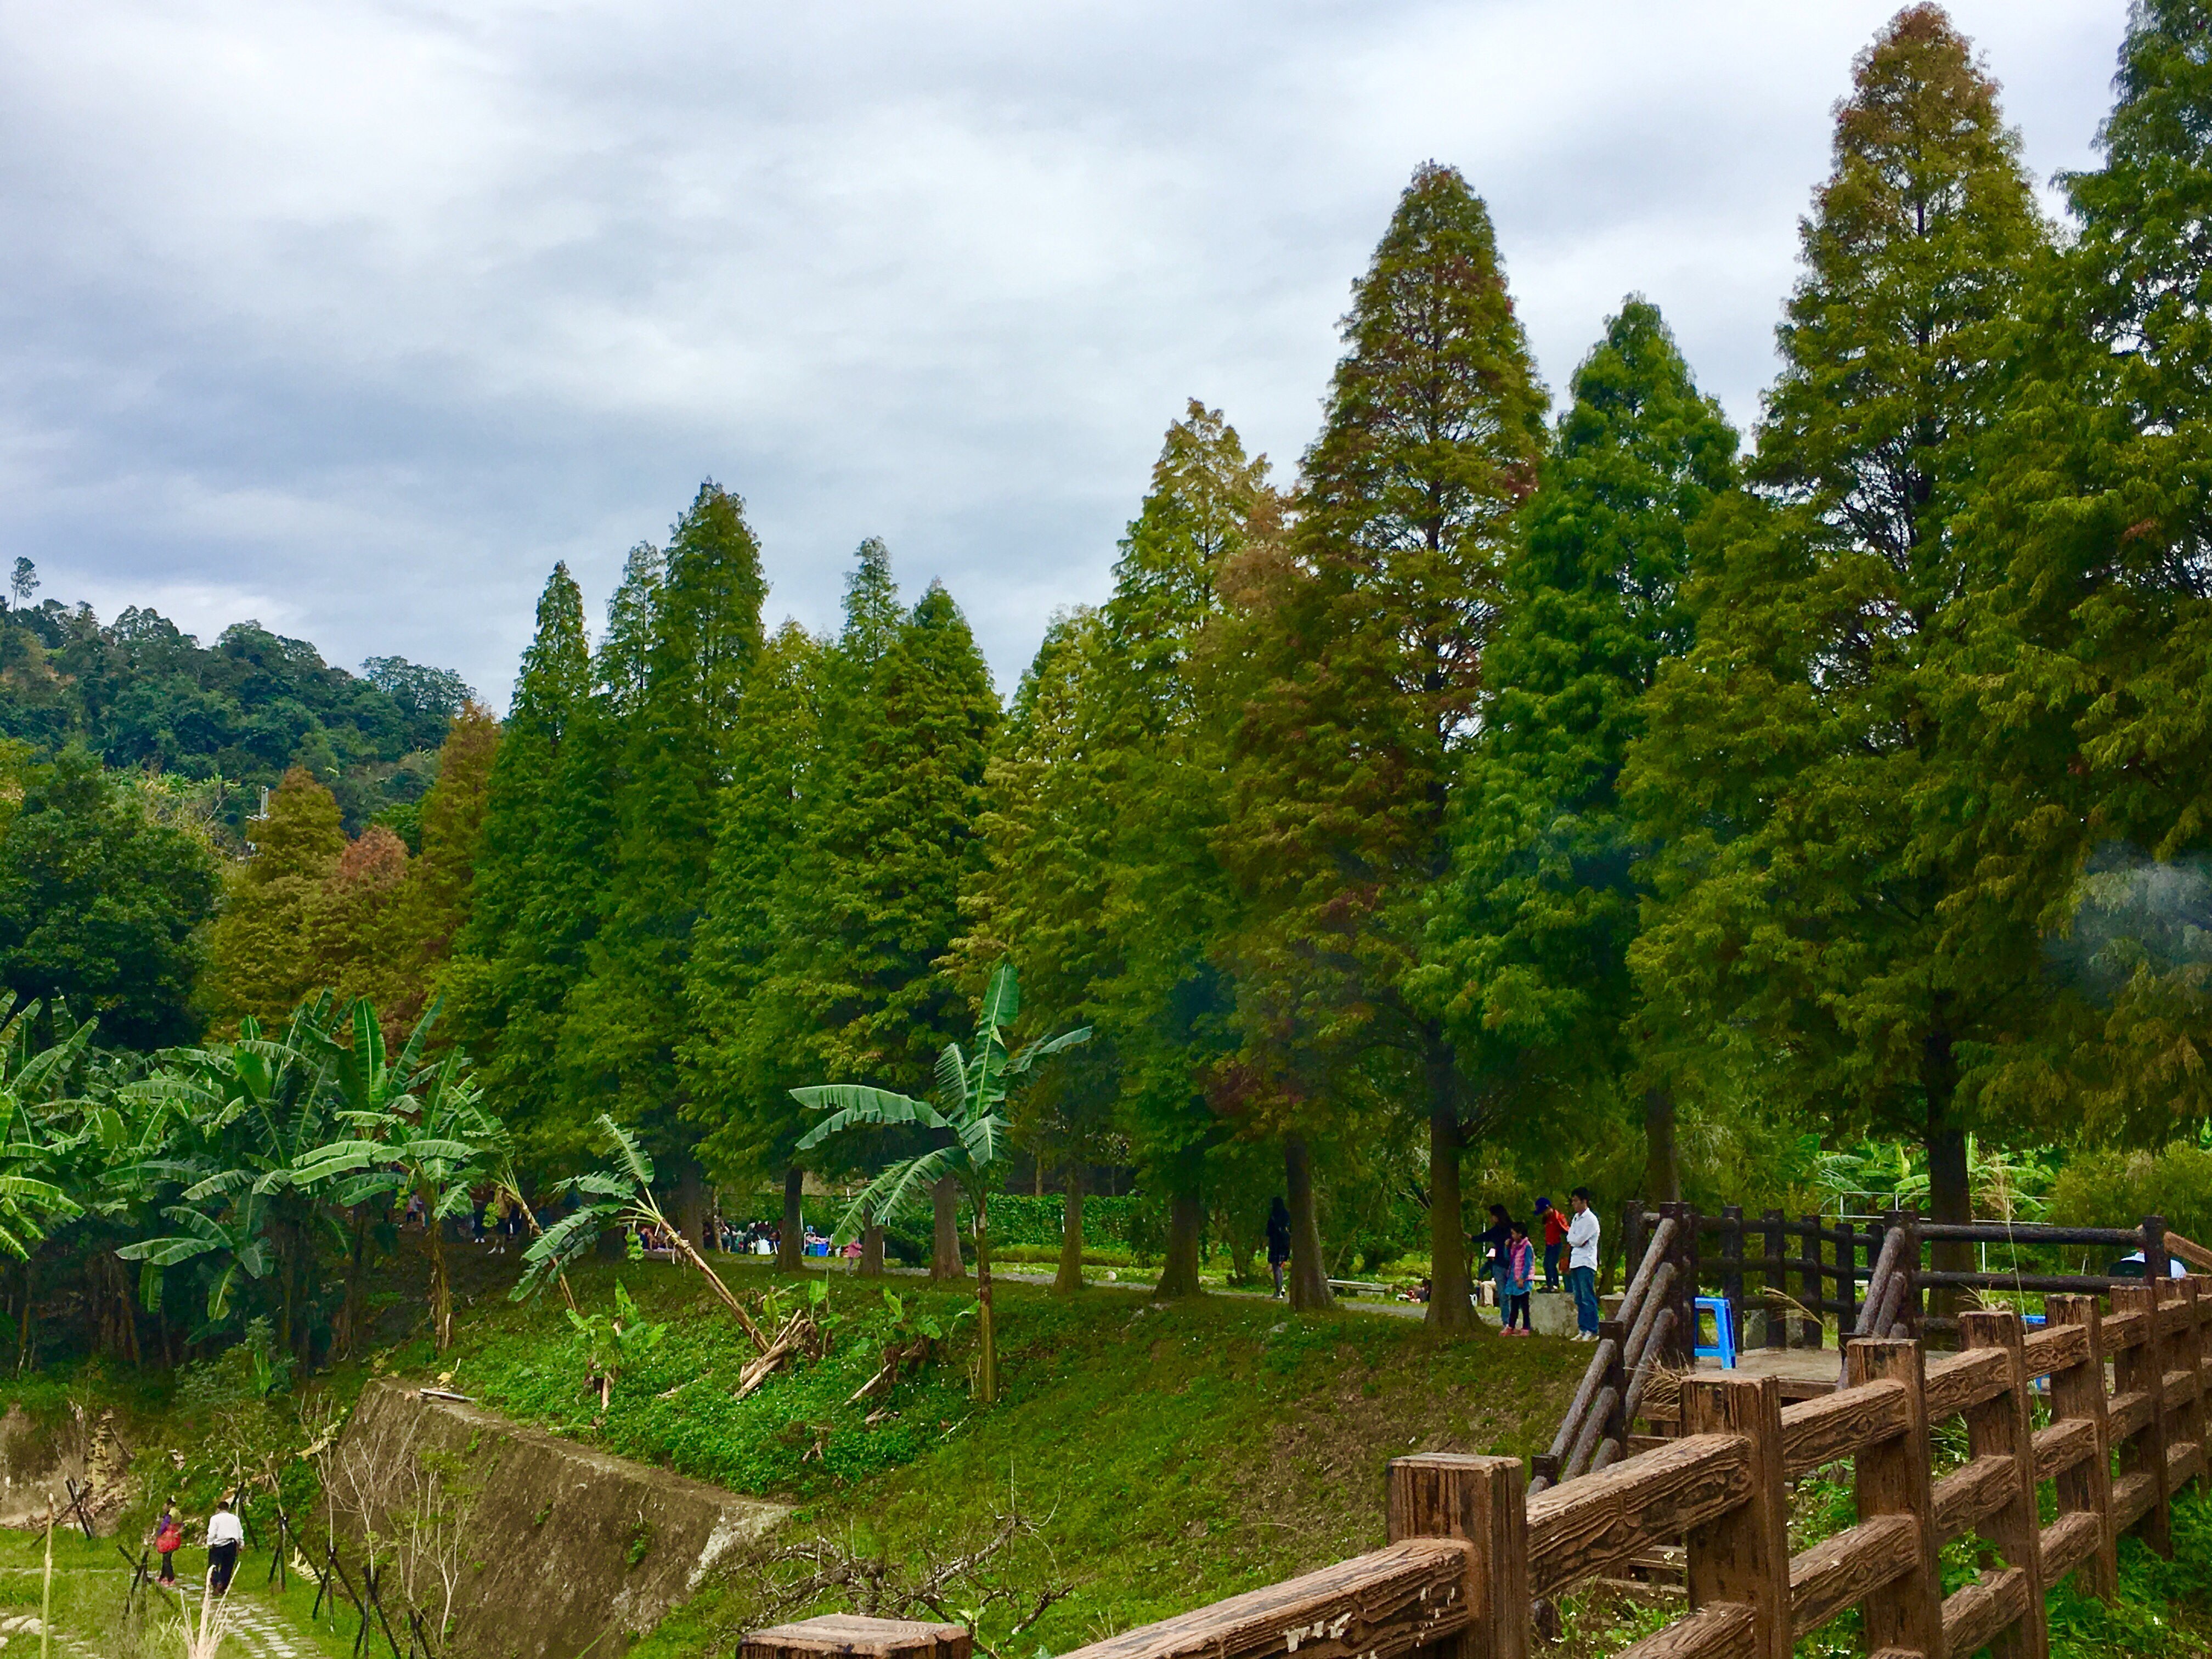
{"x": 1871, "y": 1278}
{"x": 1470, "y": 1550}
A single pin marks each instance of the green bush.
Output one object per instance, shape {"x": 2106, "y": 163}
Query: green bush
{"x": 2119, "y": 1189}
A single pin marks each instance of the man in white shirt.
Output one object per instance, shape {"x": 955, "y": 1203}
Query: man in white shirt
{"x": 225, "y": 1533}
{"x": 1581, "y": 1264}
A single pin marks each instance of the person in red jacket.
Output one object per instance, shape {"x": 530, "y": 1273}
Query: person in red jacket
{"x": 1555, "y": 1234}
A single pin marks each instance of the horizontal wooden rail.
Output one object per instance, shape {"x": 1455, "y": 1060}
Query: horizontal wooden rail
{"x": 1399, "y": 1598}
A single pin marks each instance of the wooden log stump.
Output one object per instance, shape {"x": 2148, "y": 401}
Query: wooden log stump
{"x": 845, "y": 1636}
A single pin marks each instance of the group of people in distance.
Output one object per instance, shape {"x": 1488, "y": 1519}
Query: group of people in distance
{"x": 1511, "y": 1260}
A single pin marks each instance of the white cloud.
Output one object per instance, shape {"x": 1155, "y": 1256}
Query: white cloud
{"x": 361, "y": 314}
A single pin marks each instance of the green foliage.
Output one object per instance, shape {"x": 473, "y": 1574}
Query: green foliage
{"x": 2107, "y": 1189}
{"x": 101, "y": 896}
{"x": 613, "y": 1343}
{"x": 141, "y": 694}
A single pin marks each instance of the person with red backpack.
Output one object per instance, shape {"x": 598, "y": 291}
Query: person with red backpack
{"x": 168, "y": 1538}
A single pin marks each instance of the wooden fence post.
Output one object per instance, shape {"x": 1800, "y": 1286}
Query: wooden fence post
{"x": 2005, "y": 1427}
{"x": 1811, "y": 1289}
{"x": 1743, "y": 1556}
{"x": 2078, "y": 1394}
{"x": 1891, "y": 1479}
{"x": 1776, "y": 1281}
{"x": 2157, "y": 1260}
{"x": 2136, "y": 1369}
{"x": 2183, "y": 1356}
{"x": 1482, "y": 1500}
{"x": 1847, "y": 1278}
{"x": 1732, "y": 1268}
{"x": 1613, "y": 1390}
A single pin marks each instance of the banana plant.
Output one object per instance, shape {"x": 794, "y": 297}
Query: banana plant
{"x": 246, "y": 1112}
{"x": 415, "y": 1131}
{"x": 618, "y": 1197}
{"x": 970, "y": 1091}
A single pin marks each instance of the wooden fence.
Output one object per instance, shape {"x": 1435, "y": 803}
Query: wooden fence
{"x": 1471, "y": 1550}
{"x": 1803, "y": 1272}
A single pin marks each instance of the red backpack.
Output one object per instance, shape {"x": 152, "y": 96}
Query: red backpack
{"x": 170, "y": 1539}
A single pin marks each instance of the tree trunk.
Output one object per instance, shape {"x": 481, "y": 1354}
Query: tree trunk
{"x": 1186, "y": 1218}
{"x": 691, "y": 1203}
{"x": 1451, "y": 1306}
{"x": 1308, "y": 1275}
{"x": 1663, "y": 1158}
{"x": 791, "y": 1237}
{"x": 1069, "y": 1279}
{"x": 987, "y": 1364}
{"x": 1950, "y": 1189}
{"x": 441, "y": 1292}
{"x": 872, "y": 1250}
{"x": 944, "y": 1264}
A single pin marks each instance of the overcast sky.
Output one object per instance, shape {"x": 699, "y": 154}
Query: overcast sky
{"x": 354, "y": 317}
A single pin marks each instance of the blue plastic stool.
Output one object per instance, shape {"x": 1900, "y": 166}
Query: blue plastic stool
{"x": 1723, "y": 1348}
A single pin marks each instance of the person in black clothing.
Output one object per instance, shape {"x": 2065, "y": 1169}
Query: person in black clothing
{"x": 1494, "y": 1238}
{"x": 1278, "y": 1240}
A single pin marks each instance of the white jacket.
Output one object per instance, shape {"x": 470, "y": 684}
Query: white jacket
{"x": 1582, "y": 1241}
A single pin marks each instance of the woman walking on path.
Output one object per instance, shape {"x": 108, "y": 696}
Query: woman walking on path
{"x": 168, "y": 1538}
{"x": 1278, "y": 1241}
{"x": 1517, "y": 1275}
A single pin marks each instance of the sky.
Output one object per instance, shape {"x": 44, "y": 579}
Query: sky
{"x": 354, "y": 318}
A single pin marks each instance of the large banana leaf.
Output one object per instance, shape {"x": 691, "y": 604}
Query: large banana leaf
{"x": 856, "y": 1103}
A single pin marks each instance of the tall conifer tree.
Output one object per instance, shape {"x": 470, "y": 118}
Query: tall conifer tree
{"x": 1534, "y": 935}
{"x": 1363, "y": 674}
{"x": 679, "y": 713}
{"x": 531, "y": 892}
{"x": 1801, "y": 765}
{"x": 2091, "y": 648}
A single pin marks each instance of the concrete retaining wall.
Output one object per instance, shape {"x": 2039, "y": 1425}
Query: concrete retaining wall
{"x": 569, "y": 1548}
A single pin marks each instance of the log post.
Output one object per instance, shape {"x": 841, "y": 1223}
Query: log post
{"x": 1482, "y": 1500}
{"x": 844, "y": 1636}
{"x": 1686, "y": 1292}
{"x": 2136, "y": 1369}
{"x": 2078, "y": 1394}
{"x": 2005, "y": 1427}
{"x": 1891, "y": 1479}
{"x": 2157, "y": 1259}
{"x": 1743, "y": 1556}
{"x": 1613, "y": 1389}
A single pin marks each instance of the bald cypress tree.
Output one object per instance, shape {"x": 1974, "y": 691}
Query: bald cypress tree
{"x": 1357, "y": 665}
{"x": 534, "y": 876}
{"x": 2089, "y": 651}
{"x": 1534, "y": 930}
{"x": 1804, "y": 768}
{"x": 676, "y": 708}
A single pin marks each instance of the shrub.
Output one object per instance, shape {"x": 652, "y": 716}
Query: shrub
{"x": 2119, "y": 1189}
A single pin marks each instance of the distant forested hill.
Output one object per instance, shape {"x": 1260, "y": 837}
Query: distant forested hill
{"x": 141, "y": 693}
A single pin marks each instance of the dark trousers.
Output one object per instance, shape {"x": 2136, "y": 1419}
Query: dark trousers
{"x": 1582, "y": 1281}
{"x": 1551, "y": 1266}
{"x": 169, "y": 1566}
{"x": 1517, "y": 1307}
{"x": 222, "y": 1561}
